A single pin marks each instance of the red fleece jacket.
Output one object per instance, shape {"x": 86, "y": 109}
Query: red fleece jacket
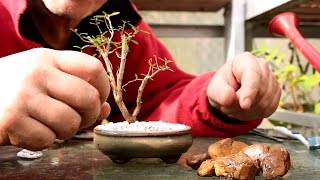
{"x": 175, "y": 97}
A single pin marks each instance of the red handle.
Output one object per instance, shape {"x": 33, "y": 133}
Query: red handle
{"x": 285, "y": 24}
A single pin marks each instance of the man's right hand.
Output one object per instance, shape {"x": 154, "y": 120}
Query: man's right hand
{"x": 48, "y": 94}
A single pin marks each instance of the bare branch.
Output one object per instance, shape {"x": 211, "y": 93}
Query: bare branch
{"x": 153, "y": 70}
{"x": 131, "y": 81}
{"x": 105, "y": 45}
{"x": 123, "y": 60}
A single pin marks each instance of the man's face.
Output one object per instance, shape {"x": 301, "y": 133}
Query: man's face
{"x": 74, "y": 9}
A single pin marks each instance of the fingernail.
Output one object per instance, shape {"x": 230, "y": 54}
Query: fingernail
{"x": 247, "y": 103}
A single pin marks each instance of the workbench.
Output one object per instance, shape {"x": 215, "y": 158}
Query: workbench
{"x": 79, "y": 159}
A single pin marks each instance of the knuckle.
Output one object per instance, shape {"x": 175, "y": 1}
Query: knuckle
{"x": 264, "y": 105}
{"x": 268, "y": 109}
{"x": 11, "y": 118}
{"x": 90, "y": 117}
{"x": 248, "y": 54}
{"x": 93, "y": 99}
{"x": 42, "y": 54}
{"x": 267, "y": 113}
{"x": 265, "y": 65}
{"x": 45, "y": 143}
{"x": 71, "y": 128}
{"x": 274, "y": 79}
{"x": 252, "y": 89}
{"x": 39, "y": 73}
{"x": 70, "y": 120}
{"x": 262, "y": 92}
{"x": 89, "y": 121}
{"x": 39, "y": 51}
{"x": 224, "y": 101}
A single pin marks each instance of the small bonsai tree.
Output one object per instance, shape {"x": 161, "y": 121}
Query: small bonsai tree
{"x": 105, "y": 44}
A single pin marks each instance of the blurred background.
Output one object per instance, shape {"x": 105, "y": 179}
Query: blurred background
{"x": 198, "y": 52}
{"x": 204, "y": 34}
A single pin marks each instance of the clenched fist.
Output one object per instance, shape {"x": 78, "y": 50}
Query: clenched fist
{"x": 244, "y": 88}
{"x": 47, "y": 94}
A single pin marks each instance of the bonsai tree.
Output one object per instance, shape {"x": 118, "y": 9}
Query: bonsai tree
{"x": 105, "y": 44}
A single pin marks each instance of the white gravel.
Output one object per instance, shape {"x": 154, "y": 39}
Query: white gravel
{"x": 151, "y": 126}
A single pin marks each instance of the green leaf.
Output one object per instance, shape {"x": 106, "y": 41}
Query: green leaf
{"x": 272, "y": 54}
{"x": 99, "y": 16}
{"x": 311, "y": 81}
{"x": 279, "y": 59}
{"x": 114, "y": 13}
{"x": 317, "y": 108}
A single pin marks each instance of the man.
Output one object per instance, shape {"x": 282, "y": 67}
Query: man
{"x": 48, "y": 94}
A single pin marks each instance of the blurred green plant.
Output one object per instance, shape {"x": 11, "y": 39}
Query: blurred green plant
{"x": 298, "y": 79}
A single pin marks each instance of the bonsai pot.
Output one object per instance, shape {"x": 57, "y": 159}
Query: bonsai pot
{"x": 123, "y": 141}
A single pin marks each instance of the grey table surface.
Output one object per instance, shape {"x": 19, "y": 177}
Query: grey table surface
{"x": 79, "y": 159}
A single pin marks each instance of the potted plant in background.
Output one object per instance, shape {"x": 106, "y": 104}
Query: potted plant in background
{"x": 286, "y": 25}
{"x": 131, "y": 138}
{"x": 299, "y": 103}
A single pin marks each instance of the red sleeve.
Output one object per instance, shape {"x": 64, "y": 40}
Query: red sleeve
{"x": 189, "y": 105}
{"x": 174, "y": 96}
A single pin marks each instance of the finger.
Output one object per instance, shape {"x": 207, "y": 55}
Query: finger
{"x": 30, "y": 134}
{"x": 221, "y": 89}
{"x": 232, "y": 109}
{"x": 266, "y": 76}
{"x": 246, "y": 69}
{"x": 275, "y": 97}
{"x": 75, "y": 92}
{"x": 232, "y": 112}
{"x": 85, "y": 67}
{"x": 59, "y": 117}
{"x": 105, "y": 111}
{"x": 268, "y": 104}
{"x": 272, "y": 107}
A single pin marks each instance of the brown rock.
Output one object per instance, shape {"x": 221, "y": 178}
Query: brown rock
{"x": 238, "y": 166}
{"x": 276, "y": 163}
{"x": 225, "y": 147}
{"x": 195, "y": 161}
{"x": 272, "y": 161}
{"x": 207, "y": 168}
{"x": 256, "y": 152}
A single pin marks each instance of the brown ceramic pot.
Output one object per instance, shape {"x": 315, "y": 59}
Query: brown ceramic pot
{"x": 122, "y": 146}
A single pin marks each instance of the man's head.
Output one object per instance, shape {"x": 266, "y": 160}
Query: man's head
{"x": 73, "y": 9}
{"x": 55, "y": 18}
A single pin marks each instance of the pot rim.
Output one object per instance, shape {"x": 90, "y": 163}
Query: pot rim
{"x": 98, "y": 130}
